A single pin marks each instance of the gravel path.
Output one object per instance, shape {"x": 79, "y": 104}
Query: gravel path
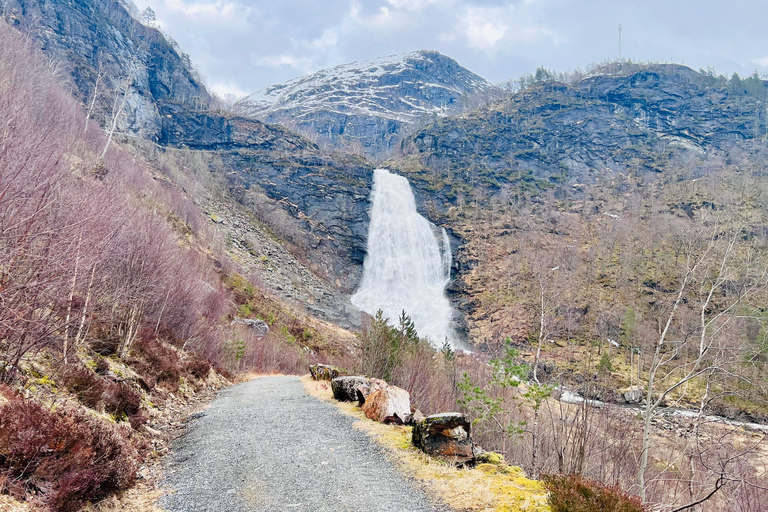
{"x": 265, "y": 445}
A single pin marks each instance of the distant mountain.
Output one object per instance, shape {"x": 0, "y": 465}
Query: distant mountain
{"x": 367, "y": 106}
{"x": 626, "y": 120}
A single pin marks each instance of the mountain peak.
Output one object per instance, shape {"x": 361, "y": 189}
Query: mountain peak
{"x": 367, "y": 102}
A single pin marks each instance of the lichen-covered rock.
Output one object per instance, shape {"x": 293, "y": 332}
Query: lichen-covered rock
{"x": 388, "y": 405}
{"x": 323, "y": 372}
{"x": 489, "y": 458}
{"x": 446, "y": 436}
{"x": 345, "y": 388}
{"x": 368, "y": 388}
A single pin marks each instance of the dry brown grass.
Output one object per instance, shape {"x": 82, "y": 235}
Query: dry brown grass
{"x": 140, "y": 498}
{"x": 8, "y": 504}
{"x": 486, "y": 488}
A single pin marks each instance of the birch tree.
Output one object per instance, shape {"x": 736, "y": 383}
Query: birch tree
{"x": 694, "y": 344}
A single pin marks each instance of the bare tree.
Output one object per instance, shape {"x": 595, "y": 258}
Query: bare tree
{"x": 693, "y": 340}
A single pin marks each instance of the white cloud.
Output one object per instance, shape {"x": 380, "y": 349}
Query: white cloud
{"x": 487, "y": 28}
{"x": 228, "y": 89}
{"x": 413, "y": 5}
{"x": 303, "y": 64}
{"x": 762, "y": 61}
{"x": 483, "y": 30}
{"x": 386, "y": 19}
{"x": 226, "y": 13}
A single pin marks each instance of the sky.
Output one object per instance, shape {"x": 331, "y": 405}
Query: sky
{"x": 242, "y": 46}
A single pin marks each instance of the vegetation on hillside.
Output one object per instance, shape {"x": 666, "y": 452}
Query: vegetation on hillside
{"x": 117, "y": 300}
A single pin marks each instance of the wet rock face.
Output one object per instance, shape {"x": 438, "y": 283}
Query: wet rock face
{"x": 446, "y": 436}
{"x": 323, "y": 372}
{"x": 388, "y": 405}
{"x": 318, "y": 203}
{"x": 345, "y": 388}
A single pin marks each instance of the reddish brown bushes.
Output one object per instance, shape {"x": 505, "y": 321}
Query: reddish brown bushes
{"x": 86, "y": 242}
{"x": 157, "y": 364}
{"x": 65, "y": 458}
{"x": 116, "y": 398}
{"x": 572, "y": 493}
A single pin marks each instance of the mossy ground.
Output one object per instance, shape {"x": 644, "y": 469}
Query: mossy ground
{"x": 485, "y": 488}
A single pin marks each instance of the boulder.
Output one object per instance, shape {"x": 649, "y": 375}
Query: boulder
{"x": 632, "y": 395}
{"x": 323, "y": 372}
{"x": 345, "y": 388}
{"x": 445, "y": 436}
{"x": 373, "y": 385}
{"x": 388, "y": 405}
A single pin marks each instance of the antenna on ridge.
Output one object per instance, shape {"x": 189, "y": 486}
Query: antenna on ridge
{"x": 619, "y": 41}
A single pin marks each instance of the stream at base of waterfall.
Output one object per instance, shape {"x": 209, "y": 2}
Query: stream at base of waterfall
{"x": 408, "y": 264}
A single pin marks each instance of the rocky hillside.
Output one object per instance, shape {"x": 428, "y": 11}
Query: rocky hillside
{"x": 368, "y": 106}
{"x": 315, "y": 202}
{"x": 623, "y": 120}
{"x": 115, "y": 63}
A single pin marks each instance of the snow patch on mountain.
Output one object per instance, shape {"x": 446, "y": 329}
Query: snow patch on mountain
{"x": 361, "y": 100}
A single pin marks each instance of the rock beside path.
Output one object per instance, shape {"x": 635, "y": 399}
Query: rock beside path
{"x": 367, "y": 389}
{"x": 345, "y": 388}
{"x": 323, "y": 372}
{"x": 388, "y": 405}
{"x": 445, "y": 436}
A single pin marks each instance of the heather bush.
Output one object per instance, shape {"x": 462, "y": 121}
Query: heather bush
{"x": 157, "y": 364}
{"x": 572, "y": 493}
{"x": 116, "y": 398}
{"x": 63, "y": 459}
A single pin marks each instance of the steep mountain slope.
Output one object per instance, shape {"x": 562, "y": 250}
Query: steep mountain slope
{"x": 112, "y": 58}
{"x": 314, "y": 201}
{"x": 368, "y": 106}
{"x": 627, "y": 120}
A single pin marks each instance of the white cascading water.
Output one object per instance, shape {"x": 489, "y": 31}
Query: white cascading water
{"x": 408, "y": 264}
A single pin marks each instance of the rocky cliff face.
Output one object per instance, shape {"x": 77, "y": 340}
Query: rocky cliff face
{"x": 634, "y": 120}
{"x": 368, "y": 106}
{"x": 318, "y": 203}
{"x": 87, "y": 37}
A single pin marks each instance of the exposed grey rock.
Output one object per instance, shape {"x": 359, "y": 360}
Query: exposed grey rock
{"x": 345, "y": 388}
{"x": 446, "y": 436}
{"x": 259, "y": 327}
{"x": 634, "y": 117}
{"x": 323, "y": 372}
{"x": 81, "y": 35}
{"x": 632, "y": 395}
{"x": 417, "y": 416}
{"x": 316, "y": 202}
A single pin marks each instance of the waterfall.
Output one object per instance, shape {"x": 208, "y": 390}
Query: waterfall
{"x": 408, "y": 264}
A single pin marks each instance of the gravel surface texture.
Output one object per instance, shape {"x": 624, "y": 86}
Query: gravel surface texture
{"x": 265, "y": 445}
